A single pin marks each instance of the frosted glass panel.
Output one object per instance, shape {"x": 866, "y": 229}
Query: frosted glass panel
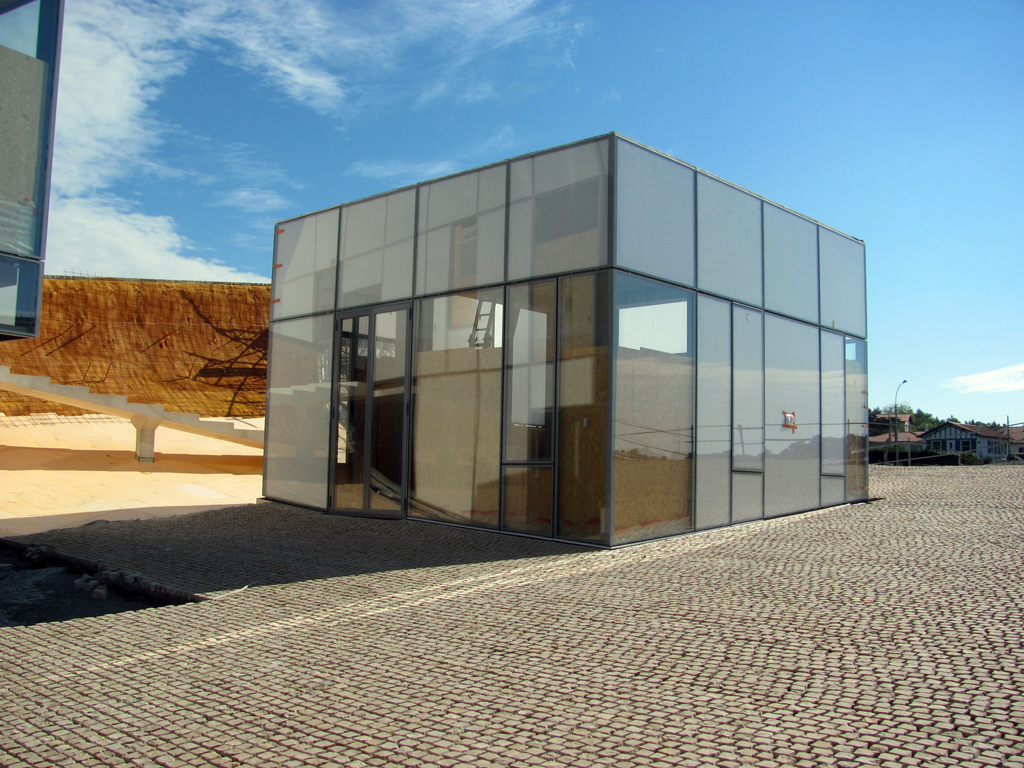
{"x": 728, "y": 241}
{"x": 558, "y": 218}
{"x": 299, "y": 411}
{"x": 748, "y": 390}
{"x": 790, "y": 264}
{"x": 842, "y": 283}
{"x": 856, "y": 419}
{"x": 833, "y": 404}
{"x": 462, "y": 232}
{"x": 714, "y": 411}
{"x": 792, "y": 417}
{"x": 833, "y": 491}
{"x": 305, "y": 265}
{"x": 376, "y": 250}
{"x": 747, "y": 492}
{"x": 654, "y": 214}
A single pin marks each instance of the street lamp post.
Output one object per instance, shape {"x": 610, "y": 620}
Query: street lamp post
{"x": 896, "y": 422}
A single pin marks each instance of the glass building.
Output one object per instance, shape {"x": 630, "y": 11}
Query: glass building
{"x": 29, "y": 54}
{"x": 596, "y": 343}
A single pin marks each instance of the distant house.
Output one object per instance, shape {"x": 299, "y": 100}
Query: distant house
{"x": 906, "y": 421}
{"x": 953, "y": 437}
{"x": 907, "y": 441}
{"x": 1017, "y": 440}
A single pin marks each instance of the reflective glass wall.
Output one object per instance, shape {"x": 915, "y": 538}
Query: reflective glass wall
{"x": 596, "y": 343}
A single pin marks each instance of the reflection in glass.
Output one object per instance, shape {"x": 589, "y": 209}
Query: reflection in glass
{"x": 305, "y": 265}
{"x": 353, "y": 351}
{"x": 833, "y": 404}
{"x": 653, "y": 409}
{"x": 792, "y": 468}
{"x": 790, "y": 264}
{"x": 747, "y": 496}
{"x": 389, "y": 345}
{"x": 19, "y": 294}
{"x": 843, "y": 303}
{"x": 833, "y": 491}
{"x": 23, "y": 127}
{"x": 856, "y": 419}
{"x": 714, "y": 411}
{"x": 462, "y": 232}
{"x": 528, "y": 500}
{"x": 728, "y": 241}
{"x": 456, "y": 451}
{"x": 558, "y": 218}
{"x": 654, "y": 214}
{"x": 376, "y": 249}
{"x": 583, "y": 405}
{"x": 299, "y": 411}
{"x": 748, "y": 389}
{"x": 531, "y": 367}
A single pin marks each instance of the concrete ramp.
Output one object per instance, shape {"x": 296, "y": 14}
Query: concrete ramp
{"x": 145, "y": 417}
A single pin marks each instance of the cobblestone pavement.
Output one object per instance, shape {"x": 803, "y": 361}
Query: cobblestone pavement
{"x": 886, "y": 634}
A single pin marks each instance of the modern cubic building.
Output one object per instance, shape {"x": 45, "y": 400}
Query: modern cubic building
{"x": 30, "y": 32}
{"x": 595, "y": 343}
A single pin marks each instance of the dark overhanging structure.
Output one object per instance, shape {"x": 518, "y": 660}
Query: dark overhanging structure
{"x": 595, "y": 343}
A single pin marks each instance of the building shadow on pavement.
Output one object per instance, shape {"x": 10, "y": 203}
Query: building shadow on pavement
{"x": 263, "y": 544}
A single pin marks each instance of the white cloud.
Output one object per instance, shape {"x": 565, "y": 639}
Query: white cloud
{"x": 254, "y": 200}
{"x": 1009, "y": 379}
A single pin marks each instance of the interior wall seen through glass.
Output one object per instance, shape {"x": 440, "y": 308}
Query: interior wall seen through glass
{"x": 790, "y": 264}
{"x": 23, "y": 125}
{"x": 714, "y": 412}
{"x": 377, "y": 250}
{"x": 390, "y": 331}
{"x": 558, "y": 213}
{"x": 456, "y": 449}
{"x": 528, "y": 499}
{"x": 461, "y": 232}
{"x": 747, "y": 389}
{"x": 728, "y": 241}
{"x": 654, "y": 214}
{"x": 653, "y": 430}
{"x": 833, "y": 404}
{"x": 530, "y": 380}
{"x": 305, "y": 265}
{"x": 299, "y": 410}
{"x": 843, "y": 304}
{"x": 792, "y": 417}
{"x": 856, "y": 419}
{"x": 584, "y": 315}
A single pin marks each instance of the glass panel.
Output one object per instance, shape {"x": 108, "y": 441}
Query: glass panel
{"x": 386, "y": 455}
{"x": 833, "y": 404}
{"x": 462, "y": 232}
{"x": 747, "y": 496}
{"x": 856, "y": 419}
{"x": 714, "y": 411}
{"x": 748, "y": 389}
{"x": 19, "y": 294}
{"x": 583, "y": 405}
{"x": 833, "y": 491}
{"x": 558, "y": 219}
{"x": 792, "y": 417}
{"x": 23, "y": 128}
{"x": 653, "y": 409}
{"x": 376, "y": 250}
{"x": 530, "y": 376}
{"x": 353, "y": 351}
{"x": 843, "y": 305}
{"x": 305, "y": 265}
{"x": 299, "y": 411}
{"x": 790, "y": 264}
{"x": 728, "y": 241}
{"x": 456, "y": 451}
{"x": 653, "y": 214}
{"x": 528, "y": 500}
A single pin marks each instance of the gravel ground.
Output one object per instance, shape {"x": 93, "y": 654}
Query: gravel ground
{"x": 884, "y": 634}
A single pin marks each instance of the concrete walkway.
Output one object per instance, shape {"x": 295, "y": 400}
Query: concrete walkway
{"x": 887, "y": 634}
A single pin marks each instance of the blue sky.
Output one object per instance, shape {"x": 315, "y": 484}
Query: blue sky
{"x": 185, "y": 129}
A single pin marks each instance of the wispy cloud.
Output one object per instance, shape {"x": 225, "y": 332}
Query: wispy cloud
{"x": 1009, "y": 379}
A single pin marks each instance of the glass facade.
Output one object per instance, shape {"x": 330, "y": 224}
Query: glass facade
{"x": 473, "y": 351}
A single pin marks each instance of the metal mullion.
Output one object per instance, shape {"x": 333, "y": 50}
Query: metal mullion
{"x": 610, "y": 384}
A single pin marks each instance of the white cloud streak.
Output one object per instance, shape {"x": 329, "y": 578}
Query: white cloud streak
{"x": 1009, "y": 379}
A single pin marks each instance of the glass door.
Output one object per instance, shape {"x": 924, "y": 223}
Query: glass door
{"x": 370, "y": 414}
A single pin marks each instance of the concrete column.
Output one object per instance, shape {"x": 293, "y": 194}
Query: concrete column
{"x": 145, "y": 437}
